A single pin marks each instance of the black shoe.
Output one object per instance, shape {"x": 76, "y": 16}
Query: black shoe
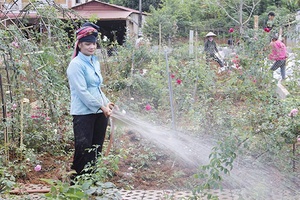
{"x": 73, "y": 176}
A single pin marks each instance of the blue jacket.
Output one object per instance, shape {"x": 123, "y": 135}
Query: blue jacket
{"x": 85, "y": 80}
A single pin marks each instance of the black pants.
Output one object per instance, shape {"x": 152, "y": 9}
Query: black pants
{"x": 89, "y": 130}
{"x": 213, "y": 57}
{"x": 281, "y": 64}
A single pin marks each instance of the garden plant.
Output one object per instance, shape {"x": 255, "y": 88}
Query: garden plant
{"x": 238, "y": 108}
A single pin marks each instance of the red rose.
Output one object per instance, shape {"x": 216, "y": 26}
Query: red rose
{"x": 267, "y": 29}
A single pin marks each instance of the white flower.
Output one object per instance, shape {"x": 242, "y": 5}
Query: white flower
{"x": 105, "y": 39}
{"x": 130, "y": 168}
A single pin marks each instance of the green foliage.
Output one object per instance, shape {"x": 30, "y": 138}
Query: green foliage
{"x": 292, "y": 5}
{"x": 7, "y": 180}
{"x": 178, "y": 17}
{"x": 64, "y": 191}
{"x": 60, "y": 190}
{"x": 35, "y": 65}
{"x": 143, "y": 159}
{"x": 104, "y": 168}
{"x": 239, "y": 105}
{"x": 93, "y": 182}
{"x": 135, "y": 4}
{"x": 212, "y": 16}
{"x": 221, "y": 163}
{"x": 289, "y": 123}
{"x": 163, "y": 21}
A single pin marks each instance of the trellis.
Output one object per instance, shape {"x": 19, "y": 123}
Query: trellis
{"x": 9, "y": 73}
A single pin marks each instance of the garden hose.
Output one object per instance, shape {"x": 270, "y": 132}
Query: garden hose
{"x": 112, "y": 127}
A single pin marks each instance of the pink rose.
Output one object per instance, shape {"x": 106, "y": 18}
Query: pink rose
{"x": 14, "y": 106}
{"x": 148, "y": 107}
{"x": 15, "y": 44}
{"x": 293, "y": 113}
{"x": 37, "y": 168}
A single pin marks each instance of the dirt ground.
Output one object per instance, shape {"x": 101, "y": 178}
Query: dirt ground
{"x": 145, "y": 167}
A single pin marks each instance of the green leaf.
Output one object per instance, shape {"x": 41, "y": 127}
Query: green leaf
{"x": 91, "y": 190}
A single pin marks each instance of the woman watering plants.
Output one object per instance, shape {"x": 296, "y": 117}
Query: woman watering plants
{"x": 89, "y": 106}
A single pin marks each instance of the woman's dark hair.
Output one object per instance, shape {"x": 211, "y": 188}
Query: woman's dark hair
{"x": 271, "y": 14}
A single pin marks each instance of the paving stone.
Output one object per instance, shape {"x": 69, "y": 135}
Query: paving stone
{"x": 27, "y": 191}
{"x": 281, "y": 91}
{"x": 132, "y": 194}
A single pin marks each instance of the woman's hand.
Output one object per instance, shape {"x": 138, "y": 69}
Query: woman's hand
{"x": 106, "y": 110}
{"x": 110, "y": 105}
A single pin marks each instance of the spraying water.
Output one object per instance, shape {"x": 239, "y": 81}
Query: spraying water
{"x": 182, "y": 145}
{"x": 249, "y": 179}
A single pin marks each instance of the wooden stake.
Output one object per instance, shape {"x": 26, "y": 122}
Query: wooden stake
{"x": 21, "y": 123}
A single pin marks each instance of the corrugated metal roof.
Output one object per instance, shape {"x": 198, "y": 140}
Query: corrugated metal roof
{"x": 104, "y": 15}
{"x": 106, "y": 4}
{"x": 101, "y": 10}
{"x": 17, "y": 15}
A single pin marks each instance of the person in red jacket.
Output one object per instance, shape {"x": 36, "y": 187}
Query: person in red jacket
{"x": 279, "y": 55}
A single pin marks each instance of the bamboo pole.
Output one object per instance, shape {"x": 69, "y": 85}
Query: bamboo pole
{"x": 294, "y": 159}
{"x": 196, "y": 61}
{"x": 4, "y": 120}
{"x": 170, "y": 91}
{"x": 159, "y": 43}
{"x": 21, "y": 123}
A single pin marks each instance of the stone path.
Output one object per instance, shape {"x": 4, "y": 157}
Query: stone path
{"x": 37, "y": 191}
{"x": 168, "y": 194}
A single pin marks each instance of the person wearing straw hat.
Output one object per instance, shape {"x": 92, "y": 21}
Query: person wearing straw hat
{"x": 278, "y": 54}
{"x": 89, "y": 105}
{"x": 210, "y": 48}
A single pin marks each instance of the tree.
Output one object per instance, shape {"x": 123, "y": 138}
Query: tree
{"x": 181, "y": 10}
{"x": 190, "y": 14}
{"x": 160, "y": 18}
{"x": 135, "y": 4}
{"x": 292, "y": 5}
{"x": 239, "y": 11}
{"x": 207, "y": 16}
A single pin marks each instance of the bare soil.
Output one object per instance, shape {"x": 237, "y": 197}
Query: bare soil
{"x": 145, "y": 167}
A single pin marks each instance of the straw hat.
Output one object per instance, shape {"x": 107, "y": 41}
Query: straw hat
{"x": 210, "y": 34}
